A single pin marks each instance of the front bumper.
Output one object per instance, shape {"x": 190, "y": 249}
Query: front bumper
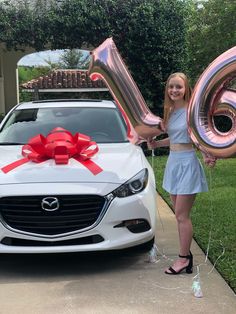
{"x": 110, "y": 232}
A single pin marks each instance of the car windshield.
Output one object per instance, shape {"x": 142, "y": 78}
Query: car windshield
{"x": 103, "y": 125}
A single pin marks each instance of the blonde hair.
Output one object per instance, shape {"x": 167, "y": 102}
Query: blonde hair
{"x": 168, "y": 103}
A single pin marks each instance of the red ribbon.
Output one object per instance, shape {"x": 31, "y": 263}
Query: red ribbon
{"x": 59, "y": 145}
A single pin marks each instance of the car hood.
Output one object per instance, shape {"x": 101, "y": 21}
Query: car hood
{"x": 119, "y": 162}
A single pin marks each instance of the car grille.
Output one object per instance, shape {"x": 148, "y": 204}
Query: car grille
{"x": 75, "y": 212}
{"x": 78, "y": 241}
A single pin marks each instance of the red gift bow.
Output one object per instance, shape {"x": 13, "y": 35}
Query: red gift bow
{"x": 59, "y": 145}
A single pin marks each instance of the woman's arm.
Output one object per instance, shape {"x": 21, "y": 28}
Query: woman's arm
{"x": 148, "y": 132}
{"x": 160, "y": 143}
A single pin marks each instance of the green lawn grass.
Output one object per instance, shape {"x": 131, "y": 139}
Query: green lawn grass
{"x": 213, "y": 214}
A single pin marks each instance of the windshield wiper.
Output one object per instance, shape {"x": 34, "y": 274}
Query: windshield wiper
{"x": 11, "y": 143}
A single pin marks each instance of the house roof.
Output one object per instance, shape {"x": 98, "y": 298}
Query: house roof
{"x": 59, "y": 80}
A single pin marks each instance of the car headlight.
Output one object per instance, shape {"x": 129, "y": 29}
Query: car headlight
{"x": 135, "y": 185}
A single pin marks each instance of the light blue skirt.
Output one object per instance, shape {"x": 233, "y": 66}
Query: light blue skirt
{"x": 184, "y": 174}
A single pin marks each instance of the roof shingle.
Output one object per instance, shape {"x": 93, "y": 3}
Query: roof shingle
{"x": 58, "y": 79}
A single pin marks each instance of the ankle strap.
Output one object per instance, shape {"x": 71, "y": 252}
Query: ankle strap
{"x": 186, "y": 256}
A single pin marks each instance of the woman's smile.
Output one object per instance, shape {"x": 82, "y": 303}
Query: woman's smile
{"x": 176, "y": 88}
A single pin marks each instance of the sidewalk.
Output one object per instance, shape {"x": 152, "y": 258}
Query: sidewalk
{"x": 218, "y": 297}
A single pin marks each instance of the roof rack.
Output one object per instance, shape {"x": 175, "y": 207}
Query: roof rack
{"x": 67, "y": 100}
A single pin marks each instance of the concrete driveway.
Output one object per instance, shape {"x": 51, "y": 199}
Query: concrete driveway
{"x": 115, "y": 282}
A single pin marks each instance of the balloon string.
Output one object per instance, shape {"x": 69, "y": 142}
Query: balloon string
{"x": 211, "y": 213}
{"x": 196, "y": 278}
{"x": 153, "y": 155}
{"x": 223, "y": 252}
{"x": 162, "y": 254}
{"x": 210, "y": 232}
{"x": 158, "y": 212}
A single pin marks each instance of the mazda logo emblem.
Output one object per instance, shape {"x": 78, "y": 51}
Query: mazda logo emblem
{"x": 50, "y": 204}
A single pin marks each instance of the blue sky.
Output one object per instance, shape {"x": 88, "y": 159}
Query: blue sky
{"x": 38, "y": 58}
{"x": 41, "y": 58}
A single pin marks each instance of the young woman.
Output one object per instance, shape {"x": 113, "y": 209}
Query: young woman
{"x": 184, "y": 176}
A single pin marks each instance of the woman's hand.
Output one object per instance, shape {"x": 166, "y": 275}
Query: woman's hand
{"x": 162, "y": 126}
{"x": 209, "y": 160}
{"x": 151, "y": 143}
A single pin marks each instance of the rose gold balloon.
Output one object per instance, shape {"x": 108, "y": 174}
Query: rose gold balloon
{"x": 107, "y": 64}
{"x": 212, "y": 96}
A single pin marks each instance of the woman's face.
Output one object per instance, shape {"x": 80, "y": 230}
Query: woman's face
{"x": 176, "y": 88}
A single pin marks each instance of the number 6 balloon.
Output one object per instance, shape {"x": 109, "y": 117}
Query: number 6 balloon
{"x": 211, "y": 97}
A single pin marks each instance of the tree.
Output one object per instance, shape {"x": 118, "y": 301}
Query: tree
{"x": 211, "y": 31}
{"x": 73, "y": 59}
{"x": 27, "y": 73}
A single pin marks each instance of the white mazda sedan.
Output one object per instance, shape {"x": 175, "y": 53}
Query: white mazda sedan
{"x": 71, "y": 181}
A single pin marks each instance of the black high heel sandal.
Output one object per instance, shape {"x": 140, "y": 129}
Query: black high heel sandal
{"x": 188, "y": 268}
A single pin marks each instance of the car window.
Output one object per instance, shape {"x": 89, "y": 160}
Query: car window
{"x": 103, "y": 125}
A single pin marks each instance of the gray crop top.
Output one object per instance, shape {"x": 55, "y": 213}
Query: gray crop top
{"x": 177, "y": 127}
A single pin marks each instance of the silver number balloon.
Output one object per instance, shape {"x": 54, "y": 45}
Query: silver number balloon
{"x": 107, "y": 64}
{"x": 211, "y": 97}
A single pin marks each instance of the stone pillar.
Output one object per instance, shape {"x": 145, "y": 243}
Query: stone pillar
{"x": 9, "y": 61}
{"x": 9, "y": 97}
{"x": 2, "y": 96}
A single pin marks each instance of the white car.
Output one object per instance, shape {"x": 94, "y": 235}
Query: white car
{"x": 66, "y": 204}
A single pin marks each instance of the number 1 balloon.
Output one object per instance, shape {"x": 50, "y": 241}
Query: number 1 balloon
{"x": 107, "y": 64}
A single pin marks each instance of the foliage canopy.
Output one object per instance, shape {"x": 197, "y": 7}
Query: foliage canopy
{"x": 211, "y": 31}
{"x": 149, "y": 34}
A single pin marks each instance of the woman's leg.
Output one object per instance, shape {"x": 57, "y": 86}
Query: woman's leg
{"x": 182, "y": 206}
{"x": 173, "y": 199}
